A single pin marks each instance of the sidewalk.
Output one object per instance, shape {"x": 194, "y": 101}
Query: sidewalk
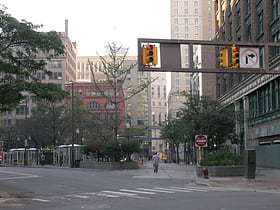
{"x": 265, "y": 178}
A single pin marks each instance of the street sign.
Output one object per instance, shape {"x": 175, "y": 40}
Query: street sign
{"x": 201, "y": 140}
{"x": 249, "y": 58}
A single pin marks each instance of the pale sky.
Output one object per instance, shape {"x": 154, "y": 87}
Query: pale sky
{"x": 95, "y": 23}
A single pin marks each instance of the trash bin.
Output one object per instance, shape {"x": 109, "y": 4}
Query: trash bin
{"x": 250, "y": 164}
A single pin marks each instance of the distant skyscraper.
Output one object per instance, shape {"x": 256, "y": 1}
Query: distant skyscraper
{"x": 193, "y": 20}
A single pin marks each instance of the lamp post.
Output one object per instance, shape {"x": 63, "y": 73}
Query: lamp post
{"x": 77, "y": 132}
{"x": 128, "y": 127}
{"x": 73, "y": 130}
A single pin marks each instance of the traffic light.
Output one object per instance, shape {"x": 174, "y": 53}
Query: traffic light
{"x": 149, "y": 55}
{"x": 235, "y": 57}
{"x": 224, "y": 58}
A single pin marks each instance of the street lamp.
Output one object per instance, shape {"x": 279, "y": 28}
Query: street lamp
{"x": 73, "y": 131}
{"x": 128, "y": 127}
{"x": 77, "y": 132}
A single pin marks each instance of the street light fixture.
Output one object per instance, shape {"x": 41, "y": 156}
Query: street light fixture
{"x": 128, "y": 127}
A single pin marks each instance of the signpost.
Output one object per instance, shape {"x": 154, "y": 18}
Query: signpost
{"x": 201, "y": 140}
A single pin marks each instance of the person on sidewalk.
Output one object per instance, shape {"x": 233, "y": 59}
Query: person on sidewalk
{"x": 155, "y": 160}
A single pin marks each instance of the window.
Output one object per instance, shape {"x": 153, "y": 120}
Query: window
{"x": 176, "y": 3}
{"x": 260, "y": 22}
{"x": 93, "y": 105}
{"x": 196, "y": 11}
{"x": 186, "y": 21}
{"x": 176, "y": 11}
{"x": 186, "y": 28}
{"x": 176, "y": 28}
{"x": 196, "y": 21}
{"x": 274, "y": 9}
{"x": 195, "y": 28}
{"x": 185, "y": 3}
{"x": 186, "y": 11}
{"x": 195, "y": 3}
{"x": 177, "y": 82}
{"x": 176, "y": 21}
{"x": 110, "y": 105}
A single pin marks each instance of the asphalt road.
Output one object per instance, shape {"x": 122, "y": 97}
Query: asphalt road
{"x": 53, "y": 188}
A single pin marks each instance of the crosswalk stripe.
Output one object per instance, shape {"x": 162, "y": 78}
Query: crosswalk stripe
{"x": 137, "y": 191}
{"x": 190, "y": 188}
{"x": 154, "y": 190}
{"x": 41, "y": 200}
{"x": 121, "y": 193}
{"x": 177, "y": 190}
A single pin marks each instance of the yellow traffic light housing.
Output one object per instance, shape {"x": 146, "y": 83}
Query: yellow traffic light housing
{"x": 223, "y": 55}
{"x": 149, "y": 55}
{"x": 235, "y": 57}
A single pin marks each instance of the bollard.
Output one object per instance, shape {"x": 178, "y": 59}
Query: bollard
{"x": 205, "y": 173}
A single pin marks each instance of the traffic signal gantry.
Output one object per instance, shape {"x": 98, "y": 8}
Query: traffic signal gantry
{"x": 149, "y": 55}
{"x": 229, "y": 57}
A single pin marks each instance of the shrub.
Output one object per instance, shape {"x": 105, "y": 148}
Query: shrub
{"x": 222, "y": 158}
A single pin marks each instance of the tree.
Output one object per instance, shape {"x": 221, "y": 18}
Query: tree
{"x": 116, "y": 74}
{"x": 173, "y": 132}
{"x": 203, "y": 115}
{"x": 24, "y": 51}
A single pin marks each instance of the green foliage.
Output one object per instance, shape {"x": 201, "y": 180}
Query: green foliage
{"x": 222, "y": 158}
{"x": 20, "y": 45}
{"x": 119, "y": 151}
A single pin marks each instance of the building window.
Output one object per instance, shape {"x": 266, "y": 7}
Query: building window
{"x": 176, "y": 11}
{"x": 186, "y": 21}
{"x": 176, "y": 3}
{"x": 274, "y": 9}
{"x": 186, "y": 28}
{"x": 176, "y": 21}
{"x": 93, "y": 105}
{"x": 177, "y": 82}
{"x": 195, "y": 3}
{"x": 186, "y": 11}
{"x": 196, "y": 21}
{"x": 110, "y": 105}
{"x": 196, "y": 11}
{"x": 260, "y": 22}
{"x": 186, "y": 3}
{"x": 176, "y": 28}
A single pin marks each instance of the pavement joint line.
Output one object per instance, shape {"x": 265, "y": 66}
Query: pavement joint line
{"x": 18, "y": 177}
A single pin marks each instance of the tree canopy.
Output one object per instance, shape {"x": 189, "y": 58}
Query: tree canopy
{"x": 24, "y": 51}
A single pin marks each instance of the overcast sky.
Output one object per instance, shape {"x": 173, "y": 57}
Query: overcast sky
{"x": 95, "y": 23}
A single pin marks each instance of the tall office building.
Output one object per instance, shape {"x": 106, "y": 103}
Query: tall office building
{"x": 193, "y": 20}
{"x": 257, "y": 96}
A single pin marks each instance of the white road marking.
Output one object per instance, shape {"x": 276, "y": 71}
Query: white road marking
{"x": 41, "y": 200}
{"x": 18, "y": 177}
{"x": 154, "y": 190}
{"x": 137, "y": 191}
{"x": 190, "y": 188}
{"x": 177, "y": 190}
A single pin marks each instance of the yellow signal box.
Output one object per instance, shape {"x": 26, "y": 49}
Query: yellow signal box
{"x": 235, "y": 57}
{"x": 149, "y": 55}
{"x": 223, "y": 55}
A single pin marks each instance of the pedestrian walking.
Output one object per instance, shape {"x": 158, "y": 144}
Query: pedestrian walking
{"x": 155, "y": 160}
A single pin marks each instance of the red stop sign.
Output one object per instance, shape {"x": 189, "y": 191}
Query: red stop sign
{"x": 201, "y": 140}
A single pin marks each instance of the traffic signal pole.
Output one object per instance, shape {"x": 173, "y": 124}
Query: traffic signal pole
{"x": 170, "y": 52}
